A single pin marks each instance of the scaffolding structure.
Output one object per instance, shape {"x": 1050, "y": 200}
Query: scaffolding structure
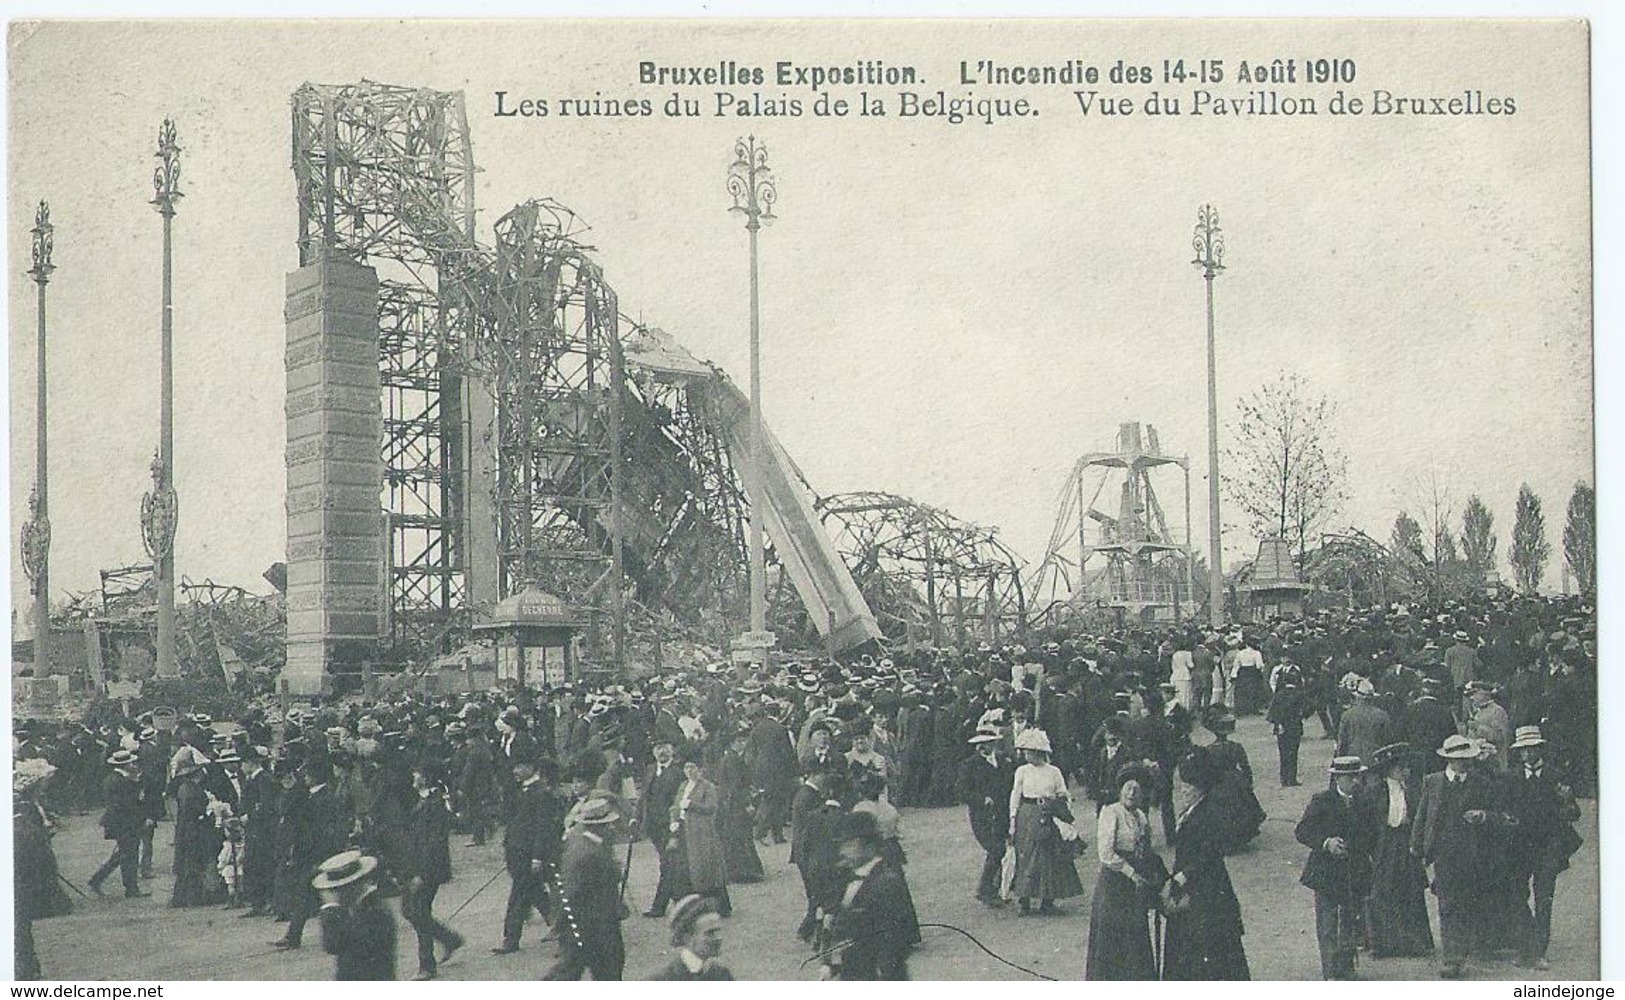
{"x": 928, "y": 575}
{"x": 1142, "y": 566}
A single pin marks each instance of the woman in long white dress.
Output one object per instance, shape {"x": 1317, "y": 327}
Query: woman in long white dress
{"x": 1045, "y": 869}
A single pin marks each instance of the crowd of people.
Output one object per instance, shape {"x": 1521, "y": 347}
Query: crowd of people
{"x": 1465, "y": 733}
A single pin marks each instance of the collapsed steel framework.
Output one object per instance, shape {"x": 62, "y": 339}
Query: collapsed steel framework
{"x": 517, "y": 395}
{"x": 507, "y": 399}
{"x": 928, "y": 575}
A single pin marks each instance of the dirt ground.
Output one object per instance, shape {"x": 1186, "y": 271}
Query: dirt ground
{"x": 145, "y": 940}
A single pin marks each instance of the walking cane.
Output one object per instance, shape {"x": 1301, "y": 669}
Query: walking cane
{"x": 626, "y": 868}
{"x": 481, "y": 889}
{"x": 77, "y": 891}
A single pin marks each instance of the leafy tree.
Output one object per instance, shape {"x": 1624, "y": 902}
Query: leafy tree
{"x": 1478, "y": 539}
{"x": 1406, "y": 539}
{"x": 1530, "y": 550}
{"x": 1284, "y": 471}
{"x": 1580, "y": 538}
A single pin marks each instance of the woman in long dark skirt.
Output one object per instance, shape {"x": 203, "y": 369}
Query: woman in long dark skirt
{"x": 1397, "y": 911}
{"x": 1119, "y": 931}
{"x": 1045, "y": 869}
{"x": 734, "y": 818}
{"x": 1203, "y": 940}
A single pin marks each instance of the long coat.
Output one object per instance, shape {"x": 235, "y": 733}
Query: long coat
{"x": 978, "y": 782}
{"x": 125, "y": 814}
{"x": 697, "y": 832}
{"x": 1462, "y": 854}
{"x": 1204, "y": 940}
{"x": 874, "y": 926}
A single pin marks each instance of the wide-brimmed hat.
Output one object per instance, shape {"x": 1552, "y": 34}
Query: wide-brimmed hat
{"x": 1384, "y": 756}
{"x": 1364, "y": 689}
{"x": 985, "y": 734}
{"x": 342, "y": 869}
{"x": 1460, "y": 636}
{"x": 122, "y": 758}
{"x": 598, "y": 811}
{"x": 1527, "y": 736}
{"x": 1479, "y": 687}
{"x": 1345, "y": 765}
{"x": 1458, "y": 748}
{"x": 1033, "y": 738}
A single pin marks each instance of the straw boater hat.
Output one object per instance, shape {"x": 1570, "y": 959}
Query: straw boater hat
{"x": 1527, "y": 737}
{"x": 985, "y": 734}
{"x": 1458, "y": 748}
{"x": 122, "y": 759}
{"x": 1345, "y": 765}
{"x": 1033, "y": 738}
{"x": 598, "y": 811}
{"x": 343, "y": 869}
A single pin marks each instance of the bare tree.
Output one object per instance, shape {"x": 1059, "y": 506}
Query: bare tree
{"x": 1530, "y": 550}
{"x": 1434, "y": 500}
{"x": 1580, "y": 538}
{"x": 1478, "y": 539}
{"x": 1284, "y": 471}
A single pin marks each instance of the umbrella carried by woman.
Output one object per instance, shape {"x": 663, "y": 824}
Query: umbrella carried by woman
{"x": 1131, "y": 875}
{"x": 1038, "y": 799}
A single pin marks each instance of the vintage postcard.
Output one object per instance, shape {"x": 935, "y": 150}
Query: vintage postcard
{"x": 803, "y": 499}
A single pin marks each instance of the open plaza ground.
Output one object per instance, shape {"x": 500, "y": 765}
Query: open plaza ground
{"x": 143, "y": 939}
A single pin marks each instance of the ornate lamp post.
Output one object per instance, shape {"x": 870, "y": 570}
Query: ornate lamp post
{"x": 160, "y": 506}
{"x": 36, "y": 539}
{"x": 1208, "y": 242}
{"x": 751, "y": 184}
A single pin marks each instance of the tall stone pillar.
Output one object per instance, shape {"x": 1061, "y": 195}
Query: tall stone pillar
{"x": 336, "y": 592}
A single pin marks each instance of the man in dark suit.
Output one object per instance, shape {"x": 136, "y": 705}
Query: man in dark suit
{"x": 696, "y": 933}
{"x": 530, "y": 850}
{"x": 123, "y": 821}
{"x": 1287, "y": 710}
{"x": 323, "y": 829}
{"x": 984, "y": 787}
{"x": 1429, "y": 721}
{"x": 771, "y": 757}
{"x": 1457, "y": 824}
{"x": 258, "y": 809}
{"x": 870, "y": 923}
{"x": 590, "y": 904}
{"x": 1542, "y": 840}
{"x": 426, "y": 866}
{"x": 812, "y": 849}
{"x": 357, "y": 928}
{"x": 660, "y": 783}
{"x": 1340, "y": 836}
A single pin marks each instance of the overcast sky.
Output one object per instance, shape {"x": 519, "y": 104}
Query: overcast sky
{"x": 951, "y": 313}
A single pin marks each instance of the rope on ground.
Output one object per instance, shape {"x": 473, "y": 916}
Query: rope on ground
{"x": 815, "y": 956}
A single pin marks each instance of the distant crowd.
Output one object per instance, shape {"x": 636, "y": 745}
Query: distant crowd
{"x": 1465, "y": 735}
